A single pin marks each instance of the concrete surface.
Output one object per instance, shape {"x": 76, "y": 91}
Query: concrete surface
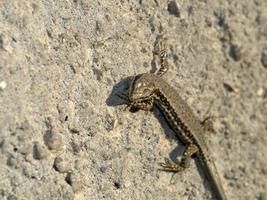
{"x": 63, "y": 134}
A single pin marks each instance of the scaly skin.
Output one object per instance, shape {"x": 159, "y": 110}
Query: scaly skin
{"x": 149, "y": 90}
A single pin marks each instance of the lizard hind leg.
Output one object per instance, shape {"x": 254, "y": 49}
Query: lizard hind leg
{"x": 163, "y": 58}
{"x": 207, "y": 122}
{"x": 170, "y": 166}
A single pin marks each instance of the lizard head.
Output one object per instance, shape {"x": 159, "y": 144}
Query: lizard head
{"x": 141, "y": 88}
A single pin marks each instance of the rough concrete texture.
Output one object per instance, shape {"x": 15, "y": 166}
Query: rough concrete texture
{"x": 62, "y": 134}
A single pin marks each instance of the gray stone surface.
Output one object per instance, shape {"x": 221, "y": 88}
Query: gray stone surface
{"x": 59, "y": 63}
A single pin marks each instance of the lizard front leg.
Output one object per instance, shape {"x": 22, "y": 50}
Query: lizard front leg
{"x": 170, "y": 166}
{"x": 146, "y": 105}
{"x": 134, "y": 106}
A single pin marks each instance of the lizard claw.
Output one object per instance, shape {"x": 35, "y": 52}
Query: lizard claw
{"x": 170, "y": 166}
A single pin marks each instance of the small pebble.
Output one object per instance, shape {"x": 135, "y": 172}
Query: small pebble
{"x": 76, "y": 147}
{"x": 54, "y": 141}
{"x": 74, "y": 181}
{"x": 79, "y": 165}
{"x": 62, "y": 165}
{"x": 74, "y": 126}
{"x": 3, "y": 85}
{"x": 39, "y": 151}
{"x": 103, "y": 169}
{"x": 25, "y": 150}
{"x": 12, "y": 161}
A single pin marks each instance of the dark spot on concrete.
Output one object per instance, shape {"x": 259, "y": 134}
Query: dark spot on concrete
{"x": 253, "y": 117}
{"x": 12, "y": 197}
{"x": 264, "y": 58}
{"x": 1, "y": 42}
{"x": 221, "y": 18}
{"x": 98, "y": 73}
{"x": 143, "y": 50}
{"x": 2, "y": 143}
{"x": 117, "y": 185}
{"x": 228, "y": 87}
{"x": 49, "y": 33}
{"x": 175, "y": 58}
{"x": 74, "y": 130}
{"x": 208, "y": 22}
{"x": 235, "y": 52}
{"x": 262, "y": 196}
{"x": 265, "y": 93}
{"x": 76, "y": 147}
{"x": 244, "y": 132}
{"x": 174, "y": 9}
{"x": 103, "y": 169}
{"x": 72, "y": 68}
{"x": 190, "y": 10}
{"x": 68, "y": 178}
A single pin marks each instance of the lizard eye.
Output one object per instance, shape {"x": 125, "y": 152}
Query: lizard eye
{"x": 146, "y": 90}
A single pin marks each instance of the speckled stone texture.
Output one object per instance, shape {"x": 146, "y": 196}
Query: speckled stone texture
{"x": 63, "y": 134}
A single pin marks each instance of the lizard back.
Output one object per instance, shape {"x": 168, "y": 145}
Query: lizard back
{"x": 185, "y": 124}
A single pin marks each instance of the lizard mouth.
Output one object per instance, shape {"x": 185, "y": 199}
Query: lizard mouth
{"x": 131, "y": 104}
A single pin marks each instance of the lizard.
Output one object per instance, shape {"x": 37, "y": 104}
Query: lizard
{"x": 148, "y": 90}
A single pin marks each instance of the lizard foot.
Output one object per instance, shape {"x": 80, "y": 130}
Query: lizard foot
{"x": 170, "y": 166}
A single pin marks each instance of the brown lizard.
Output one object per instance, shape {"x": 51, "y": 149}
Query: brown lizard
{"x": 150, "y": 89}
